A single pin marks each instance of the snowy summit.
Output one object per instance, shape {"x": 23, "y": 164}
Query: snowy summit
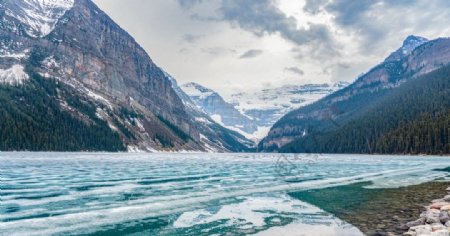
{"x": 39, "y": 17}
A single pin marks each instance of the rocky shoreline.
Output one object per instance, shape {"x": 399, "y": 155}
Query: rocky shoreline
{"x": 376, "y": 212}
{"x": 434, "y": 221}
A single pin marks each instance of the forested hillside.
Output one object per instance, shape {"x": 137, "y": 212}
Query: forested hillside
{"x": 414, "y": 118}
{"x": 33, "y": 119}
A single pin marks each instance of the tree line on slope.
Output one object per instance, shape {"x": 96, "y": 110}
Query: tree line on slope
{"x": 411, "y": 119}
{"x": 32, "y": 120}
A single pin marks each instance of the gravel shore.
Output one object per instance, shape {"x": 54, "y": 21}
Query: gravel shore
{"x": 379, "y": 212}
{"x": 434, "y": 221}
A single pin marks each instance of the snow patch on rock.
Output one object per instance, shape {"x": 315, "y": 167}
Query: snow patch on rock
{"x": 50, "y": 62}
{"x": 196, "y": 90}
{"x": 38, "y": 16}
{"x": 411, "y": 43}
{"x": 99, "y": 98}
{"x": 209, "y": 148}
{"x": 13, "y": 76}
{"x": 14, "y": 55}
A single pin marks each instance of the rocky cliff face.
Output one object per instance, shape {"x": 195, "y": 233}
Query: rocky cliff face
{"x": 80, "y": 46}
{"x": 416, "y": 57}
{"x": 220, "y": 110}
{"x": 212, "y": 131}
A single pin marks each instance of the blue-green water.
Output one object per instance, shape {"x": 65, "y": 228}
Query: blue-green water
{"x": 187, "y": 194}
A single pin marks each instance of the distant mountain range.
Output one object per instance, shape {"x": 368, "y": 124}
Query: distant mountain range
{"x": 72, "y": 80}
{"x": 400, "y": 106}
{"x": 253, "y": 113}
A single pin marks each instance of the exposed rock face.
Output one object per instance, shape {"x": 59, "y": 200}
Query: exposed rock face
{"x": 211, "y": 132}
{"x": 113, "y": 62}
{"x": 220, "y": 110}
{"x": 86, "y": 50}
{"x": 416, "y": 57}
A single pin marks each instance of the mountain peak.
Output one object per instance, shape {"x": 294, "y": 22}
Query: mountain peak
{"x": 39, "y": 17}
{"x": 409, "y": 44}
{"x": 197, "y": 90}
{"x": 414, "y": 40}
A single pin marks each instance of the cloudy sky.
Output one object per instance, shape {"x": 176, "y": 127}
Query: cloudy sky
{"x": 234, "y": 45}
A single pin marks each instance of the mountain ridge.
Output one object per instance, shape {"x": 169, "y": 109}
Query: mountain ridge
{"x": 252, "y": 113}
{"x": 217, "y": 108}
{"x": 358, "y": 97}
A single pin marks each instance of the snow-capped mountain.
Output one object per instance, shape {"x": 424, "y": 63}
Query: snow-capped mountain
{"x": 268, "y": 105}
{"x": 68, "y": 61}
{"x": 221, "y": 111}
{"x": 253, "y": 113}
{"x": 409, "y": 44}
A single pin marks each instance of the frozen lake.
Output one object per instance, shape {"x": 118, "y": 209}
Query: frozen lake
{"x": 187, "y": 194}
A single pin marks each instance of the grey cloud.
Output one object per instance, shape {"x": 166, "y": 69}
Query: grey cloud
{"x": 350, "y": 12}
{"x": 183, "y": 50}
{"x": 190, "y": 38}
{"x": 354, "y": 15}
{"x": 199, "y": 17}
{"x": 402, "y": 17}
{"x": 251, "y": 53}
{"x": 326, "y": 71}
{"x": 263, "y": 17}
{"x": 404, "y": 2}
{"x": 314, "y": 6}
{"x": 217, "y": 51}
{"x": 294, "y": 70}
{"x": 322, "y": 52}
{"x": 343, "y": 65}
{"x": 189, "y": 3}
{"x": 298, "y": 53}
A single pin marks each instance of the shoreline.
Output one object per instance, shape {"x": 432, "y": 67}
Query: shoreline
{"x": 435, "y": 220}
{"x": 263, "y": 153}
{"x": 376, "y": 212}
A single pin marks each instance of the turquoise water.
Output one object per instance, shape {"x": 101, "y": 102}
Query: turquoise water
{"x": 187, "y": 194}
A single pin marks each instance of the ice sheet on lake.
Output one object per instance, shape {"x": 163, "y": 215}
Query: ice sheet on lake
{"x": 60, "y": 193}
